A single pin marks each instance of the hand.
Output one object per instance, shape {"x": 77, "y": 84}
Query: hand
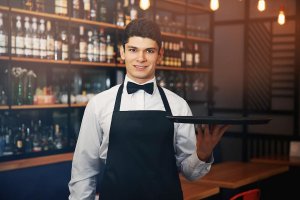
{"x": 207, "y": 138}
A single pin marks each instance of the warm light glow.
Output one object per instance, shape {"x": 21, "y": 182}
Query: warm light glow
{"x": 261, "y": 5}
{"x": 214, "y": 5}
{"x": 281, "y": 17}
{"x": 144, "y": 4}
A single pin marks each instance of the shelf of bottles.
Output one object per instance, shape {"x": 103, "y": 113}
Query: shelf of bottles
{"x": 56, "y": 55}
{"x": 26, "y": 134}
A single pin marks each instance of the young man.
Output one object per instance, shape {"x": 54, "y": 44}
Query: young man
{"x": 126, "y": 137}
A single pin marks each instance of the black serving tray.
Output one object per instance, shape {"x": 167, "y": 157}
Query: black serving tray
{"x": 219, "y": 120}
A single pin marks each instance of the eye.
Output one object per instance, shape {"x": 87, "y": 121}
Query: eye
{"x": 150, "y": 51}
{"x": 132, "y": 49}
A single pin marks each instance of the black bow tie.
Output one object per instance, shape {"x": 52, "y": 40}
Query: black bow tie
{"x": 132, "y": 87}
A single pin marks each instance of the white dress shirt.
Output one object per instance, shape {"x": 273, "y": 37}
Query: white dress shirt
{"x": 92, "y": 143}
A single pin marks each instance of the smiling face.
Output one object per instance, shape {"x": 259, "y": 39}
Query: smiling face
{"x": 141, "y": 56}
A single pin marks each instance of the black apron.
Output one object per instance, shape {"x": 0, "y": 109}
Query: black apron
{"x": 141, "y": 162}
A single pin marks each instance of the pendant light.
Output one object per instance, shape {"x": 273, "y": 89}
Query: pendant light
{"x": 261, "y": 5}
{"x": 214, "y": 5}
{"x": 281, "y": 16}
{"x": 144, "y": 4}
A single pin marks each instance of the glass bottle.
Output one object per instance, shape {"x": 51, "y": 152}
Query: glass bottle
{"x": 3, "y": 37}
{"x": 76, "y": 9}
{"x": 102, "y": 11}
{"x": 35, "y": 39}
{"x": 133, "y": 10}
{"x": 196, "y": 56}
{"x": 109, "y": 50}
{"x": 95, "y": 46}
{"x": 19, "y": 140}
{"x": 64, "y": 46}
{"x": 87, "y": 9}
{"x": 50, "y": 42}
{"x": 57, "y": 43}
{"x": 19, "y": 37}
{"x": 94, "y": 8}
{"x": 58, "y": 137}
{"x": 82, "y": 44}
{"x": 90, "y": 47}
{"x": 40, "y": 5}
{"x": 28, "y": 38}
{"x": 28, "y": 4}
{"x": 43, "y": 39}
{"x": 102, "y": 46}
{"x": 120, "y": 16}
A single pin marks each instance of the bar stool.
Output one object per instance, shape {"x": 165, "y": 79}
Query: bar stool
{"x": 253, "y": 194}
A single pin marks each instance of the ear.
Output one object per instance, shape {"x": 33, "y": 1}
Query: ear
{"x": 122, "y": 52}
{"x": 160, "y": 55}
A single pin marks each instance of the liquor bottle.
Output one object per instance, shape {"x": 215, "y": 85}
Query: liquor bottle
{"x": 64, "y": 46}
{"x": 90, "y": 47}
{"x": 109, "y": 50}
{"x": 13, "y": 37}
{"x": 57, "y": 43}
{"x": 77, "y": 8}
{"x": 196, "y": 56}
{"x": 102, "y": 46}
{"x": 40, "y": 5}
{"x": 27, "y": 38}
{"x": 36, "y": 142}
{"x": 87, "y": 9}
{"x": 19, "y": 37}
{"x": 182, "y": 53}
{"x": 95, "y": 46}
{"x": 189, "y": 56}
{"x": 28, "y": 4}
{"x": 35, "y": 39}
{"x": 120, "y": 16}
{"x": 29, "y": 87}
{"x": 102, "y": 11}
{"x": 94, "y": 8}
{"x": 58, "y": 137}
{"x": 82, "y": 44}
{"x": 61, "y": 7}
{"x": 126, "y": 11}
{"x": 43, "y": 39}
{"x": 74, "y": 47}
{"x": 50, "y": 42}
{"x": 19, "y": 141}
{"x": 3, "y": 38}
{"x": 166, "y": 56}
{"x": 28, "y": 141}
{"x": 133, "y": 10}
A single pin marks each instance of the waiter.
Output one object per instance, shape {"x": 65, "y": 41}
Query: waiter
{"x": 127, "y": 139}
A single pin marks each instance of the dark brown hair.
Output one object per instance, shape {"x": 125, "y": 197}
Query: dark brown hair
{"x": 142, "y": 28}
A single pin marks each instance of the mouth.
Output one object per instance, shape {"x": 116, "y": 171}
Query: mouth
{"x": 140, "y": 67}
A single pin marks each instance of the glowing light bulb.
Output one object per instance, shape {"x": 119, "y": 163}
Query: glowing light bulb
{"x": 144, "y": 4}
{"x": 214, "y": 5}
{"x": 281, "y": 17}
{"x": 261, "y": 5}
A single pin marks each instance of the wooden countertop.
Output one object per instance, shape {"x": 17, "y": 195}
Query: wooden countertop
{"x": 33, "y": 162}
{"x": 283, "y": 160}
{"x": 196, "y": 191}
{"x": 236, "y": 174}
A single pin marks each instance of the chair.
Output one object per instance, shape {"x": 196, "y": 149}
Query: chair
{"x": 253, "y": 194}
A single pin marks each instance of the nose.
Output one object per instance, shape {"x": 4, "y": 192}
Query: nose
{"x": 141, "y": 56}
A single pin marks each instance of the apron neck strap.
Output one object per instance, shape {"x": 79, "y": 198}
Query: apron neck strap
{"x": 162, "y": 94}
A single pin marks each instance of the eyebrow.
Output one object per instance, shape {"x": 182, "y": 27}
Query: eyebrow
{"x": 134, "y": 47}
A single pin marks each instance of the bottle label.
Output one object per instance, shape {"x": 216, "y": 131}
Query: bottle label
{"x": 82, "y": 49}
{"x": 3, "y": 43}
{"x": 65, "y": 52}
{"x": 19, "y": 45}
